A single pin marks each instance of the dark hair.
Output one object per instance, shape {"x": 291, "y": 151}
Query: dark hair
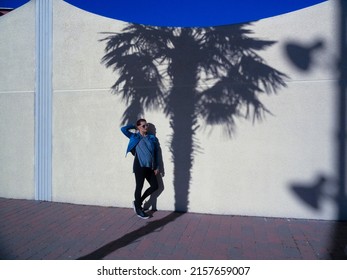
{"x": 140, "y": 121}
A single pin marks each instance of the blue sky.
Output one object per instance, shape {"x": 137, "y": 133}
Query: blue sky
{"x": 184, "y": 12}
{"x": 12, "y": 3}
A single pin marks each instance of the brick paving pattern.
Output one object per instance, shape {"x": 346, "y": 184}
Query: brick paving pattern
{"x": 59, "y": 231}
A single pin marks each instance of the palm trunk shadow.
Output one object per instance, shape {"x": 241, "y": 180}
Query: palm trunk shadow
{"x": 131, "y": 237}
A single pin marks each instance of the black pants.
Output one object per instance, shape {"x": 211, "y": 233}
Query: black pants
{"x": 142, "y": 173}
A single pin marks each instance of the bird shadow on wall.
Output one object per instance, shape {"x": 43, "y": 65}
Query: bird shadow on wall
{"x": 302, "y": 55}
{"x": 208, "y": 76}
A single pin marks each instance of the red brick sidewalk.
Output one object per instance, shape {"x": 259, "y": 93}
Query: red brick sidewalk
{"x": 46, "y": 230}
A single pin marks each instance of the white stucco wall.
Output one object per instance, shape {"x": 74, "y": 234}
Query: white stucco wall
{"x": 250, "y": 174}
{"x": 17, "y": 85}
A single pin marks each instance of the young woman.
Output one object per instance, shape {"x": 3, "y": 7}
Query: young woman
{"x": 144, "y": 146}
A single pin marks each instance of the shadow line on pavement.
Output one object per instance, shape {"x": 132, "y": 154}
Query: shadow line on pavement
{"x": 131, "y": 237}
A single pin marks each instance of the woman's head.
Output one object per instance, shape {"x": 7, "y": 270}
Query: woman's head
{"x": 140, "y": 122}
{"x": 142, "y": 126}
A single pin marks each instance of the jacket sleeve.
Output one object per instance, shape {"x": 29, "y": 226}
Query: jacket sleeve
{"x": 125, "y": 130}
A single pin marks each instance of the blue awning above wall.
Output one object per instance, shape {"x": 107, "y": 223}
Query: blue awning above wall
{"x": 191, "y": 13}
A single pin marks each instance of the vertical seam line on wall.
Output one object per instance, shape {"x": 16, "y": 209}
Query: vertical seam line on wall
{"x": 43, "y": 100}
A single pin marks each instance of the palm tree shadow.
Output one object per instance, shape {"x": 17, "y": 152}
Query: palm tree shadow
{"x": 131, "y": 237}
{"x": 195, "y": 76}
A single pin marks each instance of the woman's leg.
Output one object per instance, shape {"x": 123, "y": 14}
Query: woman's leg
{"x": 153, "y": 182}
{"x": 139, "y": 179}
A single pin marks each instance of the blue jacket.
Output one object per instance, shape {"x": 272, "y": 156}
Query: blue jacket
{"x": 134, "y": 139}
